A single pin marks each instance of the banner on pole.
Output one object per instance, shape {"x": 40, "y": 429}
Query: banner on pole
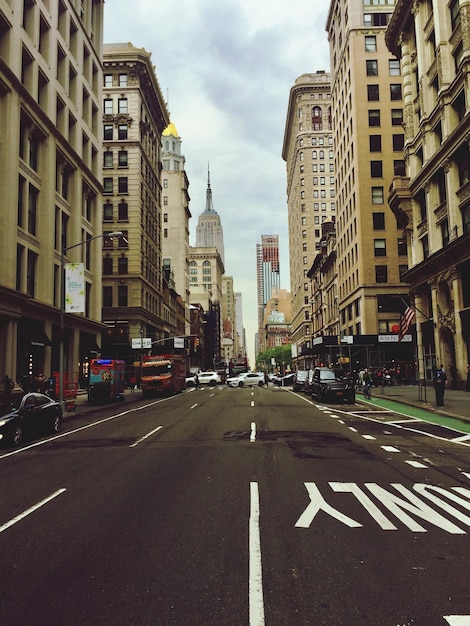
{"x": 74, "y": 288}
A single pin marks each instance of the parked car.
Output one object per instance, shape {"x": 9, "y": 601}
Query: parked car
{"x": 331, "y": 384}
{"x": 299, "y": 380}
{"x": 28, "y": 414}
{"x": 209, "y": 378}
{"x": 246, "y": 379}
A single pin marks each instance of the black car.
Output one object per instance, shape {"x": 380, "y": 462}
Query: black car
{"x": 331, "y": 384}
{"x": 27, "y": 414}
{"x": 300, "y": 376}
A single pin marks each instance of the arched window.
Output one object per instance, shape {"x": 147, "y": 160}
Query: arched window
{"x": 317, "y": 118}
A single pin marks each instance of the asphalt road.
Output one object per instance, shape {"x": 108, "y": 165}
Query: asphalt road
{"x": 237, "y": 506}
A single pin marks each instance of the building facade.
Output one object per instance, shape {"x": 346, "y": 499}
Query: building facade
{"x": 134, "y": 118}
{"x": 432, "y": 198}
{"x": 277, "y": 319}
{"x": 50, "y": 164}
{"x": 209, "y": 231}
{"x": 309, "y": 156}
{"x": 176, "y": 215}
{"x": 367, "y": 97}
{"x": 267, "y": 277}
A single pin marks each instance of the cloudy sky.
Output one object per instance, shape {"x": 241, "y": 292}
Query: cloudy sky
{"x": 225, "y": 69}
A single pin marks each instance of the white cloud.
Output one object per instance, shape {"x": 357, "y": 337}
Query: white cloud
{"x": 227, "y": 70}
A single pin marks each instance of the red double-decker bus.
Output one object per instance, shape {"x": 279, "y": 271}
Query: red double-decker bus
{"x": 237, "y": 365}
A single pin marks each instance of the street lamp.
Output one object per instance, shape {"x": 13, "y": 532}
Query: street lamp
{"x": 64, "y": 250}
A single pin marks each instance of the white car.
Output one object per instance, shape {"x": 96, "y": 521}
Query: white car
{"x": 247, "y": 379}
{"x": 209, "y": 378}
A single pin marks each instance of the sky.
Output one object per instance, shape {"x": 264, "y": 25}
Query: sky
{"x": 225, "y": 70}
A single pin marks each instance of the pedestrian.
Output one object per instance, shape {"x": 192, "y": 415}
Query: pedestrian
{"x": 196, "y": 381}
{"x": 367, "y": 381}
{"x": 266, "y": 378}
{"x": 440, "y": 385}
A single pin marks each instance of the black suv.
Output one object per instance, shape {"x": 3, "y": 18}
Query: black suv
{"x": 331, "y": 384}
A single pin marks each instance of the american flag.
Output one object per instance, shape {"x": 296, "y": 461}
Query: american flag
{"x": 405, "y": 322}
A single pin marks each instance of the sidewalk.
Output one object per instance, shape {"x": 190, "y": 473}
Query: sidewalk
{"x": 82, "y": 405}
{"x": 456, "y": 403}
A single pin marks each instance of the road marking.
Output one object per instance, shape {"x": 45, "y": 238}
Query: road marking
{"x": 37, "y": 506}
{"x": 390, "y": 449}
{"x": 466, "y": 474}
{"x": 416, "y": 464}
{"x": 256, "y": 600}
{"x": 252, "y": 403}
{"x": 194, "y": 406}
{"x": 354, "y": 430}
{"x": 371, "y": 437}
{"x": 458, "y": 620}
{"x": 463, "y": 438}
{"x": 152, "y": 432}
{"x": 253, "y": 432}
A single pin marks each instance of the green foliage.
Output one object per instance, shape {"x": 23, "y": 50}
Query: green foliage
{"x": 281, "y": 354}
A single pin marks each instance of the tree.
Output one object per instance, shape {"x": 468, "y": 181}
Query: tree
{"x": 281, "y": 354}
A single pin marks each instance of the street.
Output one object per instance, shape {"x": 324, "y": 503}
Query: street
{"x": 237, "y": 506}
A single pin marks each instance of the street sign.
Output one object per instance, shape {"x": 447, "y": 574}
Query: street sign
{"x": 144, "y": 343}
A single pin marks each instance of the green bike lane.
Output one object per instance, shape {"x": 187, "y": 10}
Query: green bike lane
{"x": 416, "y": 412}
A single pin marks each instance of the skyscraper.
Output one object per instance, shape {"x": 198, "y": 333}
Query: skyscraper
{"x": 209, "y": 231}
{"x": 267, "y": 276}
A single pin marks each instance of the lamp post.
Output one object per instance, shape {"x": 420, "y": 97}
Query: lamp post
{"x": 64, "y": 250}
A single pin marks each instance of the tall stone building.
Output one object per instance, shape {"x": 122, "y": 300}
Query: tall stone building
{"x": 431, "y": 199}
{"x": 267, "y": 277}
{"x": 368, "y": 142}
{"x": 134, "y": 118}
{"x": 176, "y": 215}
{"x": 308, "y": 153}
{"x": 50, "y": 167}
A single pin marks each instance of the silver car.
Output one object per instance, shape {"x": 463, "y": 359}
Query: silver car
{"x": 247, "y": 379}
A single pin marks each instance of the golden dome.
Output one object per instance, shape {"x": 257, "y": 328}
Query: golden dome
{"x": 170, "y": 130}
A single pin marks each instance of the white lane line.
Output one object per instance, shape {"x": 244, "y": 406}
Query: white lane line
{"x": 416, "y": 464}
{"x": 256, "y": 600}
{"x": 252, "y": 403}
{"x": 354, "y": 430}
{"x": 18, "y": 518}
{"x": 390, "y": 449}
{"x": 466, "y": 474}
{"x": 463, "y": 438}
{"x": 253, "y": 432}
{"x": 371, "y": 437}
{"x": 152, "y": 432}
{"x": 194, "y": 406}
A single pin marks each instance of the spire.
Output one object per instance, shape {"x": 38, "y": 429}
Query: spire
{"x": 209, "y": 206}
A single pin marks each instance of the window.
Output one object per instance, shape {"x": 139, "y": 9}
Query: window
{"x": 108, "y": 185}
{"x": 108, "y": 80}
{"x": 108, "y": 132}
{"x": 445, "y": 233}
{"x": 381, "y": 274}
{"x": 375, "y": 143}
{"x": 398, "y": 142}
{"x": 122, "y": 184}
{"x": 31, "y": 273}
{"x": 399, "y": 167}
{"x": 377, "y": 195}
{"x": 123, "y": 241}
{"x": 402, "y": 247}
{"x": 107, "y": 158}
{"x": 32, "y": 209}
{"x": 122, "y": 105}
{"x": 123, "y": 214}
{"x": 401, "y": 271}
{"x": 107, "y": 266}
{"x": 378, "y": 221}
{"x": 122, "y": 295}
{"x": 107, "y": 296}
{"x": 380, "y": 247}
{"x": 108, "y": 215}
{"x": 317, "y": 118}
{"x": 425, "y": 246}
{"x": 122, "y": 80}
{"x": 373, "y": 93}
{"x": 395, "y": 91}
{"x": 397, "y": 117}
{"x": 108, "y": 106}
{"x": 376, "y": 169}
{"x": 122, "y": 265}
{"x": 122, "y": 132}
{"x": 370, "y": 43}
{"x": 454, "y": 9}
{"x": 372, "y": 68}
{"x": 374, "y": 117}
{"x": 122, "y": 158}
{"x": 394, "y": 67}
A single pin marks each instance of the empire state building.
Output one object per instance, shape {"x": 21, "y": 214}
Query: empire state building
{"x": 209, "y": 232}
